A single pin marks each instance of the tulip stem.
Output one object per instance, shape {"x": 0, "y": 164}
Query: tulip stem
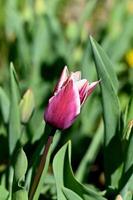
{"x": 41, "y": 166}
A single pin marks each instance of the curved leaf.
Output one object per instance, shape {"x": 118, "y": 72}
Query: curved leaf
{"x": 14, "y": 116}
{"x": 64, "y": 176}
{"x": 70, "y": 195}
{"x": 4, "y": 104}
{"x": 3, "y": 193}
{"x": 111, "y": 114}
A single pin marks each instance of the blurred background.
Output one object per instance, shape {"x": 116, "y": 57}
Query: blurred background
{"x": 40, "y": 37}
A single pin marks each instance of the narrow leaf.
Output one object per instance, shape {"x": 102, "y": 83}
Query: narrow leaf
{"x": 90, "y": 154}
{"x": 64, "y": 176}
{"x": 14, "y": 116}
{"x": 127, "y": 176}
{"x": 20, "y": 195}
{"x": 70, "y": 195}
{"x": 111, "y": 114}
{"x": 4, "y": 105}
{"x": 3, "y": 193}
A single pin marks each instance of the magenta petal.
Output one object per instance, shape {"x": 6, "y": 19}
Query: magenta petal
{"x": 63, "y": 107}
{"x": 87, "y": 90}
{"x": 83, "y": 91}
{"x": 80, "y": 84}
{"x": 62, "y": 80}
{"x": 91, "y": 87}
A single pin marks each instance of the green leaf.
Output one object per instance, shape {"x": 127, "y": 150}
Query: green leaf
{"x": 20, "y": 168}
{"x": 111, "y": 114}
{"x": 14, "y": 116}
{"x": 129, "y": 115}
{"x": 20, "y": 195}
{"x": 90, "y": 154}
{"x": 86, "y": 197}
{"x": 70, "y": 195}
{"x": 128, "y": 196}
{"x": 64, "y": 176}
{"x": 127, "y": 176}
{"x": 3, "y": 193}
{"x": 4, "y": 104}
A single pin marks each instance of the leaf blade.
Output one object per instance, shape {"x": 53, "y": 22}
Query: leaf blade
{"x": 111, "y": 115}
{"x": 14, "y": 115}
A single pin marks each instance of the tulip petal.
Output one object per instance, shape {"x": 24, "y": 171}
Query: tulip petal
{"x": 91, "y": 87}
{"x": 76, "y": 75}
{"x": 62, "y": 80}
{"x": 64, "y": 107}
{"x": 86, "y": 90}
{"x": 80, "y": 84}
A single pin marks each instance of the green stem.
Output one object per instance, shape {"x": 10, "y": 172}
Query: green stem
{"x": 41, "y": 165}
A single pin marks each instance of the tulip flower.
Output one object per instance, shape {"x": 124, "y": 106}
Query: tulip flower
{"x": 69, "y": 95}
{"x": 63, "y": 107}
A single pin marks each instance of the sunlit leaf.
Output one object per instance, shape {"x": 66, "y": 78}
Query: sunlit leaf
{"x": 3, "y": 193}
{"x": 64, "y": 176}
{"x": 111, "y": 114}
{"x": 70, "y": 195}
{"x": 4, "y": 105}
{"x": 14, "y": 116}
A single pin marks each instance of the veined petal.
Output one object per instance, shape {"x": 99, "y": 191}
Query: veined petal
{"x": 63, "y": 107}
{"x": 87, "y": 90}
{"x": 64, "y": 76}
{"x": 83, "y": 91}
{"x": 80, "y": 84}
{"x": 91, "y": 87}
{"x": 76, "y": 75}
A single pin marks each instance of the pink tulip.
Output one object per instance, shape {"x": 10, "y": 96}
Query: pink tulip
{"x": 69, "y": 95}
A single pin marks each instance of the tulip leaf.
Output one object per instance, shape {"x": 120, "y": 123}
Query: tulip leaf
{"x": 128, "y": 196}
{"x": 64, "y": 176}
{"x": 90, "y": 154}
{"x": 70, "y": 195}
{"x": 4, "y": 104}
{"x": 129, "y": 115}
{"x": 3, "y": 193}
{"x": 127, "y": 176}
{"x": 14, "y": 115}
{"x": 111, "y": 114}
{"x": 20, "y": 195}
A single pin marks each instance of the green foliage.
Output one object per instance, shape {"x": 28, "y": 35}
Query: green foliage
{"x": 40, "y": 37}
{"x": 20, "y": 194}
{"x": 14, "y": 116}
{"x": 5, "y": 105}
{"x": 27, "y": 105}
{"x": 64, "y": 178}
{"x": 3, "y": 193}
{"x": 111, "y": 114}
{"x": 20, "y": 168}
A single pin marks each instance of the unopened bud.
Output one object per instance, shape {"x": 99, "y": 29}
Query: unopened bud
{"x": 20, "y": 166}
{"x": 27, "y": 105}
